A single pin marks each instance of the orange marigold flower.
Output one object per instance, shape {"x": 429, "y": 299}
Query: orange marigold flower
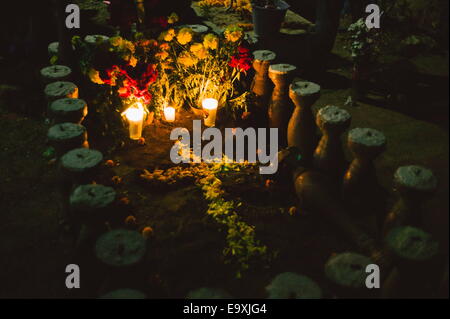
{"x": 164, "y": 46}
{"x": 167, "y": 35}
{"x": 269, "y": 183}
{"x": 124, "y": 200}
{"x": 94, "y": 75}
{"x": 173, "y": 18}
{"x": 245, "y": 115}
{"x": 110, "y": 163}
{"x": 133, "y": 61}
{"x": 185, "y": 36}
{"x": 199, "y": 50}
{"x": 186, "y": 59}
{"x": 141, "y": 141}
{"x": 233, "y": 33}
{"x": 130, "y": 220}
{"x": 147, "y": 231}
{"x": 211, "y": 41}
{"x": 116, "y": 180}
{"x": 162, "y": 55}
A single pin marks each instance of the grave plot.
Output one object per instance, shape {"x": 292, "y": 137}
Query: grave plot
{"x": 193, "y": 161}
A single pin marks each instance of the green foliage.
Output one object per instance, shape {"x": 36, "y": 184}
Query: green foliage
{"x": 100, "y": 9}
{"x": 242, "y": 247}
{"x": 84, "y": 52}
{"x": 122, "y": 73}
{"x": 53, "y": 60}
{"x": 409, "y": 27}
{"x": 105, "y": 110}
{"x": 194, "y": 66}
{"x": 49, "y": 152}
{"x": 364, "y": 44}
{"x": 422, "y": 41}
{"x": 240, "y": 104}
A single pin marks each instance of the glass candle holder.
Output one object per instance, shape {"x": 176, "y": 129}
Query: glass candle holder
{"x": 135, "y": 117}
{"x": 210, "y": 106}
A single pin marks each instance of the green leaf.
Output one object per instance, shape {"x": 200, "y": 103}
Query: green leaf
{"x": 49, "y": 153}
{"x": 53, "y": 59}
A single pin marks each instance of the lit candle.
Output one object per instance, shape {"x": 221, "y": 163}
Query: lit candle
{"x": 135, "y": 117}
{"x": 169, "y": 113}
{"x": 210, "y": 106}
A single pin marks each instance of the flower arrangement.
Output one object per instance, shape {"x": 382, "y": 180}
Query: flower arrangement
{"x": 127, "y": 66}
{"x": 180, "y": 68}
{"x": 195, "y": 66}
{"x": 122, "y": 72}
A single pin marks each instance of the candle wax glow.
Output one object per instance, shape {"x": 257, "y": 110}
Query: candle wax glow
{"x": 135, "y": 117}
{"x": 169, "y": 113}
{"x": 210, "y": 106}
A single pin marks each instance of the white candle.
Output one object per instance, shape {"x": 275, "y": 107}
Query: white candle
{"x": 135, "y": 117}
{"x": 169, "y": 113}
{"x": 210, "y": 106}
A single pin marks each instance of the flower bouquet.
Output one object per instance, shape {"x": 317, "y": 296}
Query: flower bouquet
{"x": 193, "y": 67}
{"x": 123, "y": 72}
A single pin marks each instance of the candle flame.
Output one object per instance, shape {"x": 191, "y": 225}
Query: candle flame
{"x": 135, "y": 112}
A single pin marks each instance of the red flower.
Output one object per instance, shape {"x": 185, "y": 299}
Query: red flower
{"x": 132, "y": 87}
{"x": 242, "y": 60}
{"x": 243, "y": 50}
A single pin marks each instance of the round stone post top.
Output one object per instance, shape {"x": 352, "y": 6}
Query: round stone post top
{"x": 304, "y": 88}
{"x": 208, "y": 293}
{"x": 366, "y": 142}
{"x": 368, "y": 137}
{"x": 91, "y": 197}
{"x": 60, "y": 88}
{"x": 348, "y": 269}
{"x": 416, "y": 178}
{"x": 79, "y": 159}
{"x": 264, "y": 55}
{"x": 64, "y": 131}
{"x": 412, "y": 243}
{"x": 120, "y": 247}
{"x": 333, "y": 116}
{"x": 288, "y": 284}
{"x": 67, "y": 104}
{"x": 56, "y": 71}
{"x": 282, "y": 68}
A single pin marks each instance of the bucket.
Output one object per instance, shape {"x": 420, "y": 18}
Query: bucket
{"x": 267, "y": 21}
